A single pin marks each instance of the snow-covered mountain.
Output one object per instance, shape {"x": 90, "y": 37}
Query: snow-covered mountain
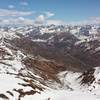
{"x": 50, "y": 62}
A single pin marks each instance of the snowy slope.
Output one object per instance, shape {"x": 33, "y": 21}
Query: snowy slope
{"x": 17, "y": 82}
{"x": 62, "y": 95}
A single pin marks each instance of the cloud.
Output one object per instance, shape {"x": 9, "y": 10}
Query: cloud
{"x": 49, "y": 14}
{"x": 40, "y": 19}
{"x": 55, "y": 22}
{"x": 10, "y": 16}
{"x": 24, "y": 21}
{"x": 11, "y": 6}
{"x": 95, "y": 20}
{"x": 91, "y": 20}
{"x": 43, "y": 19}
{"x": 16, "y": 21}
{"x": 14, "y": 13}
{"x": 24, "y": 3}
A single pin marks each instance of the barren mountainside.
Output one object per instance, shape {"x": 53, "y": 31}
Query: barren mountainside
{"x": 39, "y": 61}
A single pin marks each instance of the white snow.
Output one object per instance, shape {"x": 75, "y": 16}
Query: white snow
{"x": 69, "y": 79}
{"x": 97, "y": 49}
{"x": 39, "y": 40}
{"x": 62, "y": 95}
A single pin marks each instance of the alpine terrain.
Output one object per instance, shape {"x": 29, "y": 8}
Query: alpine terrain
{"x": 50, "y": 62}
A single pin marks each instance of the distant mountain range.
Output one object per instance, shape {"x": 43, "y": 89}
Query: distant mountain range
{"x": 35, "y": 59}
